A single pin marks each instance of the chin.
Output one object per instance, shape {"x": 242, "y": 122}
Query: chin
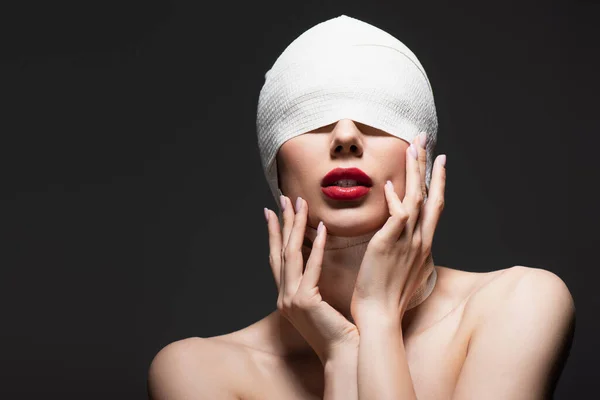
{"x": 352, "y": 222}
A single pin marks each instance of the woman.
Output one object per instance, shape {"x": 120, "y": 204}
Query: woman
{"x": 347, "y": 127}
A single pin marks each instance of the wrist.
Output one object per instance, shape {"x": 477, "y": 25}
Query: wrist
{"x": 342, "y": 354}
{"x": 377, "y": 319}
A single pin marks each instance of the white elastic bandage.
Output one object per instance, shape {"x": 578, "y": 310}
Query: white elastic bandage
{"x": 343, "y": 68}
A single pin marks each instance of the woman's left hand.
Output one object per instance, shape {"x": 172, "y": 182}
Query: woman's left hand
{"x": 392, "y": 267}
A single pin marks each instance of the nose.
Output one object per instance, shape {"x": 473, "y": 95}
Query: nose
{"x": 346, "y": 139}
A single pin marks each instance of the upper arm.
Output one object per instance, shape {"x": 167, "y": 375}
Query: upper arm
{"x": 518, "y": 349}
{"x": 189, "y": 369}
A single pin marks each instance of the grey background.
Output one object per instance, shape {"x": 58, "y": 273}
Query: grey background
{"x": 132, "y": 191}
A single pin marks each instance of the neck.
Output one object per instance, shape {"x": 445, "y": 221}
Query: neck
{"x": 341, "y": 262}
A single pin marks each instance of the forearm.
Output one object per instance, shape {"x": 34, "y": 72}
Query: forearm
{"x": 341, "y": 375}
{"x": 383, "y": 371}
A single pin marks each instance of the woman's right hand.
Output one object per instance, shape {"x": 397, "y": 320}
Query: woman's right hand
{"x": 299, "y": 300}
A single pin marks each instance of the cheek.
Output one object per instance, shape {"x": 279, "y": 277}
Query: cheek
{"x": 296, "y": 164}
{"x": 303, "y": 156}
{"x": 393, "y": 161}
{"x": 393, "y": 167}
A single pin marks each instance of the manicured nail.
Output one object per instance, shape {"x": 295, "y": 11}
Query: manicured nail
{"x": 390, "y": 184}
{"x": 298, "y": 203}
{"x": 423, "y": 139}
{"x": 267, "y": 214}
{"x": 443, "y": 160}
{"x": 282, "y": 201}
{"x": 413, "y": 150}
{"x": 320, "y": 228}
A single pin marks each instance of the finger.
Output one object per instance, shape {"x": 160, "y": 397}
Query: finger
{"x": 435, "y": 204}
{"x": 421, "y": 143}
{"x": 312, "y": 273}
{"x": 288, "y": 219}
{"x": 392, "y": 229}
{"x": 395, "y": 206}
{"x": 292, "y": 272}
{"x": 274, "y": 247}
{"x": 413, "y": 198}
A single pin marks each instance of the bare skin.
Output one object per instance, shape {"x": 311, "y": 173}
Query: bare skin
{"x": 270, "y": 360}
{"x": 502, "y": 334}
{"x": 435, "y": 341}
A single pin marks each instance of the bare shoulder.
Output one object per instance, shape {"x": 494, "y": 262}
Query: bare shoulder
{"x": 521, "y": 326}
{"x": 198, "y": 368}
{"x": 517, "y": 290}
{"x": 537, "y": 284}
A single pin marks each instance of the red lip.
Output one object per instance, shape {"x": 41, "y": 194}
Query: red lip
{"x": 345, "y": 193}
{"x": 362, "y": 187}
{"x": 346, "y": 173}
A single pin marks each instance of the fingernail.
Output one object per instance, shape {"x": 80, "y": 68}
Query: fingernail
{"x": 320, "y": 228}
{"x": 413, "y": 150}
{"x": 423, "y": 139}
{"x": 390, "y": 184}
{"x": 282, "y": 201}
{"x": 298, "y": 203}
{"x": 266, "y": 214}
{"x": 443, "y": 160}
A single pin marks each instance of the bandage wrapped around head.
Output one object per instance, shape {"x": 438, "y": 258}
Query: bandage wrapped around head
{"x": 343, "y": 68}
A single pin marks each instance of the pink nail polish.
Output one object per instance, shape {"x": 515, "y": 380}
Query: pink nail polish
{"x": 282, "y": 201}
{"x": 413, "y": 150}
